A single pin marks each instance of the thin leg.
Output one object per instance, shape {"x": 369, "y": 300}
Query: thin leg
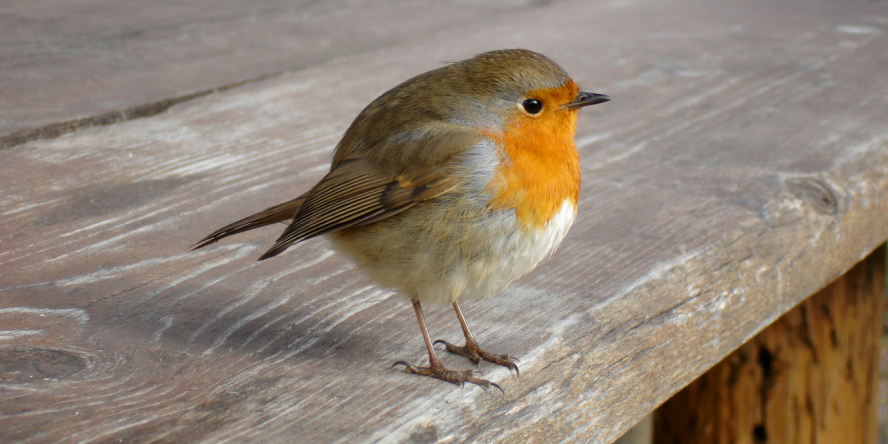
{"x": 472, "y": 351}
{"x": 433, "y": 357}
{"x": 435, "y": 368}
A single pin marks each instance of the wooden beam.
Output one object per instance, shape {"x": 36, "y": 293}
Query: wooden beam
{"x": 810, "y": 377}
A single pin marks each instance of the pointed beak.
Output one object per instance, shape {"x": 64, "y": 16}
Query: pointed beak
{"x": 586, "y": 99}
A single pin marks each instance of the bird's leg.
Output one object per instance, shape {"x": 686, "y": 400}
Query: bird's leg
{"x": 435, "y": 368}
{"x": 472, "y": 351}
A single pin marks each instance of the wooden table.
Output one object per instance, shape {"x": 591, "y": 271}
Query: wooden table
{"x": 741, "y": 167}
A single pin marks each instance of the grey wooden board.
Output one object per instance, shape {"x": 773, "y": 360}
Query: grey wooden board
{"x": 96, "y": 60}
{"x": 742, "y": 165}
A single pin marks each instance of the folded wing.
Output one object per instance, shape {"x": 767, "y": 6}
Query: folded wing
{"x": 355, "y": 194}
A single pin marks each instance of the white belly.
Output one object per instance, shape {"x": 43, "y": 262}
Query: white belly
{"x": 456, "y": 255}
{"x": 512, "y": 256}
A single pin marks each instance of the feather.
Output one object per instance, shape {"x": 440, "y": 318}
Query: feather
{"x": 278, "y": 213}
{"x": 355, "y": 194}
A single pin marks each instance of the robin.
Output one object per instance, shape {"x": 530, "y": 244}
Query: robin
{"x": 449, "y": 187}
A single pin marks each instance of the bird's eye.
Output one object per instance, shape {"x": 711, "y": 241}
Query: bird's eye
{"x": 532, "y": 106}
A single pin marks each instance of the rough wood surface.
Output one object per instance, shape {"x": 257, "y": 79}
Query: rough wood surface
{"x": 67, "y": 65}
{"x": 810, "y": 377}
{"x": 741, "y": 167}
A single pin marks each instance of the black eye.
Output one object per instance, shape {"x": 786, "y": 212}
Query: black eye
{"x": 532, "y": 106}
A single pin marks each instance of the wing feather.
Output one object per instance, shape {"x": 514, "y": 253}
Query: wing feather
{"x": 355, "y": 194}
{"x": 368, "y": 181}
{"x": 278, "y": 213}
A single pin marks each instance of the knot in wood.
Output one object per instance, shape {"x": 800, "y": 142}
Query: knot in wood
{"x": 814, "y": 191}
{"x": 39, "y": 364}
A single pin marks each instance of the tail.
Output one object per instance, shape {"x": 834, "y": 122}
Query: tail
{"x": 278, "y": 213}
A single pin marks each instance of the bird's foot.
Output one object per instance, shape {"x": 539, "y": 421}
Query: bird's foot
{"x": 436, "y": 370}
{"x": 472, "y": 351}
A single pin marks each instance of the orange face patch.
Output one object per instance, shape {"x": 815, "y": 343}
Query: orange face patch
{"x": 541, "y": 168}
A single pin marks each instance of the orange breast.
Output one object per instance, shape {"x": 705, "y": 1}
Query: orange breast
{"x": 541, "y": 168}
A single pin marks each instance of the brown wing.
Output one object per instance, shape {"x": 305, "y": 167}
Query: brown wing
{"x": 355, "y": 194}
{"x": 278, "y": 213}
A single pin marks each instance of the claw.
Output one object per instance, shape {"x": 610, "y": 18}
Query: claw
{"x": 472, "y": 351}
{"x": 435, "y": 369}
{"x": 456, "y": 377}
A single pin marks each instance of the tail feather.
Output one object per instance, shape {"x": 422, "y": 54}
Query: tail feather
{"x": 278, "y": 213}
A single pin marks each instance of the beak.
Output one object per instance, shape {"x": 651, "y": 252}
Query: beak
{"x": 586, "y": 99}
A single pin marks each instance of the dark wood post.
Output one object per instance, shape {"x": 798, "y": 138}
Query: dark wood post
{"x": 810, "y": 377}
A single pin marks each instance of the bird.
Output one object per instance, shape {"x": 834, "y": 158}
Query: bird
{"x": 447, "y": 188}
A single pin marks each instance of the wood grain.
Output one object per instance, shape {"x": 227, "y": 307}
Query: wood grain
{"x": 810, "y": 377}
{"x": 741, "y": 167}
{"x": 66, "y": 66}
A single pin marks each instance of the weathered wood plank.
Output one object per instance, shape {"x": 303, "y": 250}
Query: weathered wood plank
{"x": 810, "y": 377}
{"x": 71, "y": 65}
{"x": 742, "y": 166}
